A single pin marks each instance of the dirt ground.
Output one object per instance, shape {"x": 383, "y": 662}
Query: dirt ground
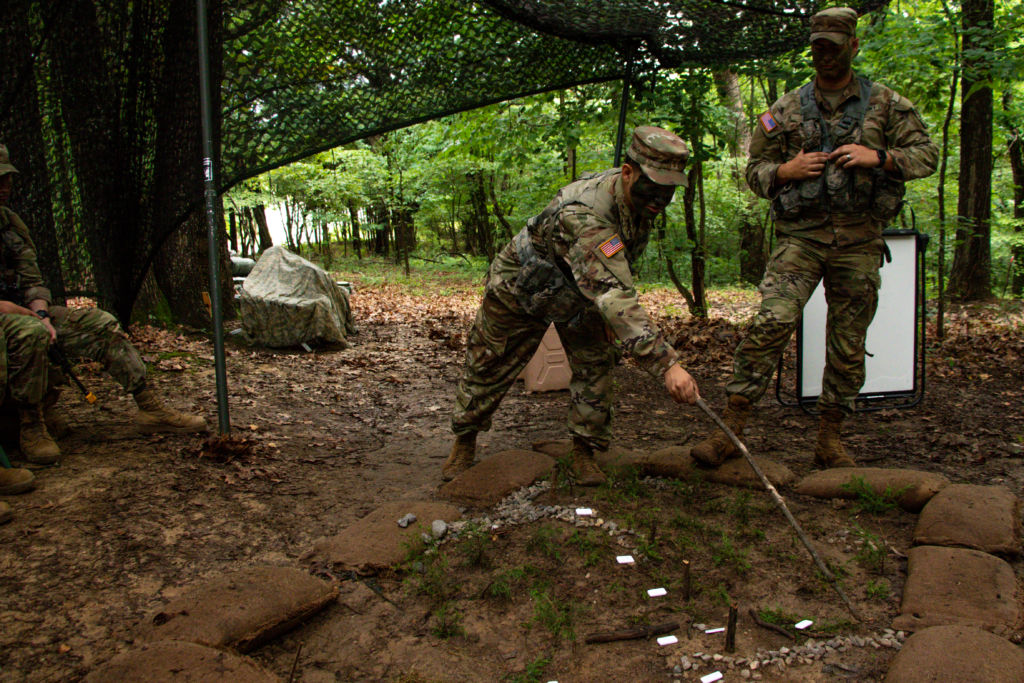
{"x": 127, "y": 522}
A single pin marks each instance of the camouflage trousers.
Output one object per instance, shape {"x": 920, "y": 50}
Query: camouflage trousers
{"x": 851, "y": 281}
{"x": 82, "y": 333}
{"x": 501, "y": 343}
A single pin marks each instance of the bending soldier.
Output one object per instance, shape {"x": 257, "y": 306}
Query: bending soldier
{"x": 572, "y": 265}
{"x": 833, "y": 156}
{"x": 79, "y": 333}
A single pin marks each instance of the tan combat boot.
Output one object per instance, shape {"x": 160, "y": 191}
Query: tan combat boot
{"x": 154, "y": 416}
{"x": 461, "y": 458}
{"x": 718, "y": 448}
{"x": 5, "y": 513}
{"x": 829, "y": 451}
{"x": 56, "y": 423}
{"x": 15, "y": 480}
{"x": 585, "y": 471}
{"x": 37, "y": 445}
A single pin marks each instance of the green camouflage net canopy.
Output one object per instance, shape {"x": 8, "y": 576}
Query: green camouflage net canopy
{"x": 301, "y": 77}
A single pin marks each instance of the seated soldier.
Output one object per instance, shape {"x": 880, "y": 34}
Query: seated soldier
{"x": 79, "y": 333}
{"x": 14, "y": 480}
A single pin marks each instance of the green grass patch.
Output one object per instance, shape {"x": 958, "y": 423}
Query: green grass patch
{"x": 870, "y": 501}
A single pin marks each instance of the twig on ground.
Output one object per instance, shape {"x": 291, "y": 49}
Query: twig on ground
{"x": 634, "y": 633}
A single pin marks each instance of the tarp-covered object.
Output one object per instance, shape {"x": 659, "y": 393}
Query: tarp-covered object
{"x": 287, "y": 301}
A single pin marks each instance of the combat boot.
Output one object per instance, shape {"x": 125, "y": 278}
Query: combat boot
{"x": 829, "y": 451}
{"x": 37, "y": 445}
{"x": 155, "y": 416}
{"x": 461, "y": 458}
{"x": 15, "y": 480}
{"x": 56, "y": 423}
{"x": 585, "y": 471}
{"x": 718, "y": 447}
{"x": 5, "y": 513}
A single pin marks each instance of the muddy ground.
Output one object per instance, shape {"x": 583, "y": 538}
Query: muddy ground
{"x": 126, "y": 522}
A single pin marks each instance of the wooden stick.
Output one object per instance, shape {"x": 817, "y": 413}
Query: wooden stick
{"x": 730, "y": 630}
{"x": 768, "y": 625}
{"x": 781, "y": 505}
{"x": 686, "y": 579}
{"x": 632, "y": 633}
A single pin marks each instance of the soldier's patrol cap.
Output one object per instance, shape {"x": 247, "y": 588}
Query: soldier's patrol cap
{"x": 837, "y": 24}
{"x": 5, "y": 162}
{"x": 661, "y": 154}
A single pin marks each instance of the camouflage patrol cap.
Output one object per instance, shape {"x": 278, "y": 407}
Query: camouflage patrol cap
{"x": 660, "y": 154}
{"x": 837, "y": 24}
{"x": 5, "y": 162}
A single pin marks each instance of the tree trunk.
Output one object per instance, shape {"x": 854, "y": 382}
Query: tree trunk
{"x": 233, "y": 231}
{"x": 1015, "y": 150}
{"x": 698, "y": 307}
{"x": 480, "y": 237}
{"x": 353, "y": 212}
{"x": 970, "y": 278}
{"x": 259, "y": 215}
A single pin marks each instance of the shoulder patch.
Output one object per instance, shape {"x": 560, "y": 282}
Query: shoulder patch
{"x": 611, "y": 246}
{"x": 768, "y": 122}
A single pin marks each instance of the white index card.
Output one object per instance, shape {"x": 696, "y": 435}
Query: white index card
{"x": 806, "y": 623}
{"x": 624, "y": 559}
{"x": 584, "y": 512}
{"x": 719, "y": 629}
{"x": 711, "y": 677}
{"x": 667, "y": 640}
{"x": 656, "y": 592}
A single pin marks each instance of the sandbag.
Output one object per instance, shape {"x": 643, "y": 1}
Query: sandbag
{"x": 956, "y": 653}
{"x": 287, "y": 301}
{"x": 243, "y": 609}
{"x": 493, "y": 478}
{"x": 738, "y": 472}
{"x": 985, "y": 518}
{"x": 916, "y": 488}
{"x": 179, "y": 662}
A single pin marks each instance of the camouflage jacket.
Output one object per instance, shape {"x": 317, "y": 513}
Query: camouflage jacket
{"x": 890, "y": 123}
{"x": 589, "y": 234}
{"x": 19, "y": 270}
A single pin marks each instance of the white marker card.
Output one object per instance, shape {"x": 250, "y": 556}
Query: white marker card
{"x": 711, "y": 677}
{"x": 806, "y": 623}
{"x": 667, "y": 640}
{"x": 624, "y": 559}
{"x": 584, "y": 512}
{"x": 656, "y": 592}
{"x": 720, "y": 629}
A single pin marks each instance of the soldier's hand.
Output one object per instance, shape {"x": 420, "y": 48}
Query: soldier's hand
{"x": 681, "y": 386}
{"x": 804, "y": 165}
{"x": 854, "y": 156}
{"x": 51, "y": 329}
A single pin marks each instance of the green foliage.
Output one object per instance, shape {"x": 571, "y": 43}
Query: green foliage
{"x": 878, "y": 589}
{"x": 871, "y": 553}
{"x": 473, "y": 544}
{"x": 447, "y": 621}
{"x": 554, "y": 614}
{"x": 870, "y": 501}
{"x": 725, "y": 553}
{"x": 590, "y": 543}
{"x": 778, "y": 616}
{"x": 545, "y": 541}
{"x": 534, "y": 672}
{"x": 502, "y": 584}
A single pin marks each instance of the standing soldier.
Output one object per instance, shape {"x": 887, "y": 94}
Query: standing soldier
{"x": 572, "y": 265}
{"x": 833, "y": 156}
{"x": 80, "y": 333}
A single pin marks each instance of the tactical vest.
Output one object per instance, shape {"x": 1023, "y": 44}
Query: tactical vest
{"x": 837, "y": 190}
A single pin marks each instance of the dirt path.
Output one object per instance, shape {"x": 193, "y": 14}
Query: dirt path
{"x": 125, "y": 522}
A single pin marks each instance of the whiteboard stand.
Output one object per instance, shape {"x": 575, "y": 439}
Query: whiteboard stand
{"x": 895, "y": 344}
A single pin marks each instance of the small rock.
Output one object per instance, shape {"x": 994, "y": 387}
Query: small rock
{"x": 717, "y": 657}
{"x": 901, "y": 635}
{"x": 685, "y": 662}
{"x": 700, "y": 627}
{"x": 745, "y": 673}
{"x": 438, "y": 528}
{"x": 756, "y": 676}
{"x": 783, "y": 650}
{"x": 406, "y": 520}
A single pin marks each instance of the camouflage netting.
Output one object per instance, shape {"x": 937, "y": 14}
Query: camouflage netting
{"x": 314, "y": 75}
{"x": 100, "y": 99}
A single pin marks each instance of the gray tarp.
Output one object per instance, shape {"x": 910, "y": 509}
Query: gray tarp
{"x": 287, "y": 301}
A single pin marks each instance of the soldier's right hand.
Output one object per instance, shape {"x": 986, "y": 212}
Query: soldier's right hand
{"x": 804, "y": 165}
{"x": 51, "y": 329}
{"x": 681, "y": 385}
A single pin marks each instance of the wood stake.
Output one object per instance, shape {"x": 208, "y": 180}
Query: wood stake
{"x": 730, "y": 630}
{"x": 633, "y": 633}
{"x": 781, "y": 505}
{"x": 686, "y": 580}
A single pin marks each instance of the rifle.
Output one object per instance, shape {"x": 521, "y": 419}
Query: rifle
{"x": 58, "y": 357}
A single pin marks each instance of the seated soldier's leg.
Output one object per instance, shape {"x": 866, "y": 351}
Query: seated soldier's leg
{"x": 95, "y": 334}
{"x": 795, "y": 268}
{"x": 500, "y": 344}
{"x": 592, "y": 357}
{"x": 851, "y": 289}
{"x": 26, "y": 364}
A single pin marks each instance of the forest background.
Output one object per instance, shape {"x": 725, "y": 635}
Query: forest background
{"x": 456, "y": 189}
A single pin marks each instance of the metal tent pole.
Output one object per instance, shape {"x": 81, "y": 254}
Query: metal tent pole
{"x": 622, "y": 112}
{"x": 211, "y": 219}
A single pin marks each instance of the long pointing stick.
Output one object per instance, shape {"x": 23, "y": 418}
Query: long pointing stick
{"x": 781, "y": 504}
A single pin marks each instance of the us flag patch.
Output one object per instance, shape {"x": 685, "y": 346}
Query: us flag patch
{"x": 612, "y": 246}
{"x": 767, "y": 122}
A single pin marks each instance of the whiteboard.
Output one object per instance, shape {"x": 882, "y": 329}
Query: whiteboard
{"x": 891, "y": 341}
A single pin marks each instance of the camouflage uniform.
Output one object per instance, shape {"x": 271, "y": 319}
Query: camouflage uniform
{"x": 578, "y": 254}
{"x": 830, "y": 228}
{"x": 81, "y": 333}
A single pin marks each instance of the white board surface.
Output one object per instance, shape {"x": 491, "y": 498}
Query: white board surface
{"x": 891, "y": 340}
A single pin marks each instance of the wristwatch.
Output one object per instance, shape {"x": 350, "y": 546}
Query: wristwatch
{"x": 44, "y": 314}
{"x": 881, "y": 158}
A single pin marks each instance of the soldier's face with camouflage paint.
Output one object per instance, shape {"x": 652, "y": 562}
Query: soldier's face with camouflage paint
{"x": 6, "y": 183}
{"x": 832, "y": 62}
{"x": 645, "y": 195}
